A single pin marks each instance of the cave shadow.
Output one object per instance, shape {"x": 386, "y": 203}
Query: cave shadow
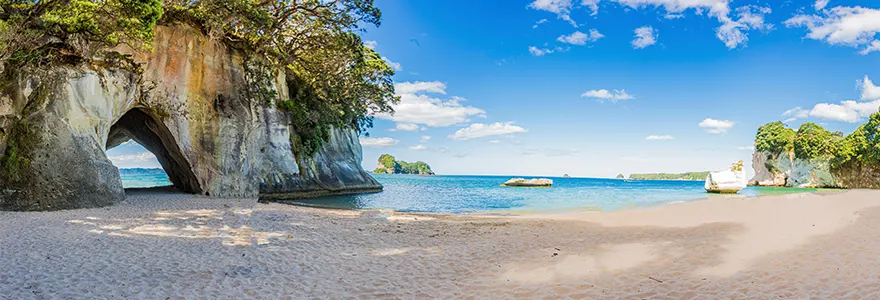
{"x": 149, "y": 131}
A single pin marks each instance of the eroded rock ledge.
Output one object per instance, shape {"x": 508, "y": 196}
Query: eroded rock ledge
{"x": 188, "y": 106}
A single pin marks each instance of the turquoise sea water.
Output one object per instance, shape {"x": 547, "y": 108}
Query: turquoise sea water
{"x": 483, "y": 194}
{"x": 140, "y": 178}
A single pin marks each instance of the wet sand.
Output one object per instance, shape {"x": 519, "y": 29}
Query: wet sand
{"x": 160, "y": 245}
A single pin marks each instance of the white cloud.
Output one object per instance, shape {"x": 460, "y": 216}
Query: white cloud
{"x": 378, "y": 142}
{"x": 873, "y": 47}
{"x": 593, "y": 5}
{"x": 405, "y": 127}
{"x": 732, "y": 31}
{"x": 659, "y": 137}
{"x": 137, "y": 160}
{"x": 851, "y": 111}
{"x": 418, "y": 148}
{"x": 494, "y": 142}
{"x": 847, "y": 111}
{"x": 393, "y": 65}
{"x": 479, "y": 130}
{"x": 869, "y": 90}
{"x": 746, "y": 148}
{"x": 417, "y": 107}
{"x": 370, "y": 44}
{"x": 716, "y": 126}
{"x": 796, "y": 112}
{"x": 603, "y": 94}
{"x": 420, "y": 86}
{"x": 849, "y": 26}
{"x": 789, "y": 120}
{"x": 425, "y": 138}
{"x": 580, "y": 38}
{"x": 820, "y": 4}
{"x": 541, "y": 21}
{"x": 562, "y": 8}
{"x": 645, "y": 36}
{"x": 542, "y": 51}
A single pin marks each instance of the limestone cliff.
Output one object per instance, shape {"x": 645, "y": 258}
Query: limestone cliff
{"x": 187, "y": 104}
{"x": 783, "y": 169}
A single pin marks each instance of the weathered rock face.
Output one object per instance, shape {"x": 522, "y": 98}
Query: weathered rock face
{"x": 783, "y": 169}
{"x": 189, "y": 107}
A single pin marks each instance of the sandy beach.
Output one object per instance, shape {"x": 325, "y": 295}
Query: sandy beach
{"x": 158, "y": 246}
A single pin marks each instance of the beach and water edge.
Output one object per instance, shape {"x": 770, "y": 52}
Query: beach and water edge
{"x": 161, "y": 244}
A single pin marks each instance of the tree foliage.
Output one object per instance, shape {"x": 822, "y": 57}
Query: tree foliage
{"x": 775, "y": 137}
{"x": 668, "y": 176}
{"x": 333, "y": 79}
{"x": 811, "y": 141}
{"x": 814, "y": 142}
{"x": 388, "y": 165}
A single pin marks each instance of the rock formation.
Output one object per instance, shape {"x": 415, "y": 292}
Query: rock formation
{"x": 522, "y": 182}
{"x": 728, "y": 181}
{"x": 186, "y": 104}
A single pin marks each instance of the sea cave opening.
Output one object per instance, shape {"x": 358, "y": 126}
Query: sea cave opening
{"x": 147, "y": 155}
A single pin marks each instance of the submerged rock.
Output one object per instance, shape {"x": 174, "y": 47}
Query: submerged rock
{"x": 728, "y": 181}
{"x": 539, "y": 182}
{"x": 188, "y": 104}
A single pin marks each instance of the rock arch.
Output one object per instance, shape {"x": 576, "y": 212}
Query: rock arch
{"x": 138, "y": 125}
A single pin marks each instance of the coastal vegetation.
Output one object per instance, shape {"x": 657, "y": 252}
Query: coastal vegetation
{"x": 811, "y": 141}
{"x": 388, "y": 165}
{"x": 620, "y": 176}
{"x": 334, "y": 80}
{"x": 670, "y": 176}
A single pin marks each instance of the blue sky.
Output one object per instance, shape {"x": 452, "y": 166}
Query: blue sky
{"x": 550, "y": 87}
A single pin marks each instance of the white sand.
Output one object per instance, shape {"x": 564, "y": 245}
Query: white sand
{"x": 179, "y": 246}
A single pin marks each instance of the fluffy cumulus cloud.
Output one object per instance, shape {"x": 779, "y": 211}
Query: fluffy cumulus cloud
{"x": 562, "y": 8}
{"x": 820, "y": 4}
{"x": 851, "y": 111}
{"x": 659, "y": 137}
{"x": 848, "y": 26}
{"x": 716, "y": 126}
{"x": 580, "y": 38}
{"x": 480, "y": 130}
{"x": 603, "y": 95}
{"x": 378, "y": 142}
{"x": 425, "y": 138}
{"x": 405, "y": 127}
{"x": 419, "y": 106}
{"x": 645, "y": 36}
{"x": 370, "y": 44}
{"x": 394, "y": 65}
{"x": 794, "y": 114}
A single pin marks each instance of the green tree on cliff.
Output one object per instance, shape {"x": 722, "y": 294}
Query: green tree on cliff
{"x": 813, "y": 141}
{"x": 775, "y": 137}
{"x": 333, "y": 79}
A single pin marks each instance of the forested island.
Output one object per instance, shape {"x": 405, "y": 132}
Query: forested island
{"x": 388, "y": 165}
{"x": 670, "y": 176}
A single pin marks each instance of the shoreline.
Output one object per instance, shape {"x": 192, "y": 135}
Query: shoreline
{"x": 803, "y": 245}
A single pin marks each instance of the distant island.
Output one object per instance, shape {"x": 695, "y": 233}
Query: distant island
{"x": 620, "y": 176}
{"x": 669, "y": 176}
{"x": 388, "y": 165}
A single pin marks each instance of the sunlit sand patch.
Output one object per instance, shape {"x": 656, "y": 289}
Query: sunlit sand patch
{"x": 606, "y": 259}
{"x": 388, "y": 252}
